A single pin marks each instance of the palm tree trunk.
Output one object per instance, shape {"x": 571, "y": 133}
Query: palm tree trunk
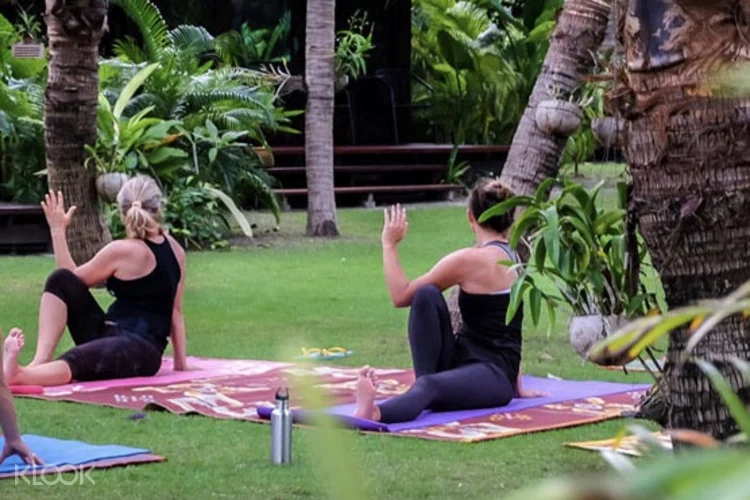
{"x": 691, "y": 177}
{"x": 320, "y": 80}
{"x": 74, "y": 29}
{"x": 534, "y": 155}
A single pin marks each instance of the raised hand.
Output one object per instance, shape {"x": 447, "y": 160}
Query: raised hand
{"x": 395, "y": 226}
{"x": 54, "y": 209}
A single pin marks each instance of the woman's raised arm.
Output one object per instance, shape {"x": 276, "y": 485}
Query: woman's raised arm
{"x": 445, "y": 274}
{"x": 58, "y": 220}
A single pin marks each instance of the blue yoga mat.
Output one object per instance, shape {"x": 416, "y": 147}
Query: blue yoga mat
{"x": 60, "y": 453}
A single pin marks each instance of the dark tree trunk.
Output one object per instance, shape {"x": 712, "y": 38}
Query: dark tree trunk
{"x": 689, "y": 156}
{"x": 74, "y": 28}
{"x": 534, "y": 155}
{"x": 320, "y": 80}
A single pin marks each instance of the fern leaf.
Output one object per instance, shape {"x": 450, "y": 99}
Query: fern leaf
{"x": 151, "y": 24}
{"x": 193, "y": 39}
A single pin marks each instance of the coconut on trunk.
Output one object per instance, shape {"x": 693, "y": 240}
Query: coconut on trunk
{"x": 558, "y": 117}
{"x": 109, "y": 185}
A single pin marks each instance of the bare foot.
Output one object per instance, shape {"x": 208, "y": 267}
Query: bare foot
{"x": 13, "y": 345}
{"x": 366, "y": 392}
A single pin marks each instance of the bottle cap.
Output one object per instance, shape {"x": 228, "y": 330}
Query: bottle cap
{"x": 282, "y": 394}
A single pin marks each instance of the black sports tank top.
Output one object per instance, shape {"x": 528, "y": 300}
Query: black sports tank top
{"x": 485, "y": 336}
{"x": 143, "y": 306}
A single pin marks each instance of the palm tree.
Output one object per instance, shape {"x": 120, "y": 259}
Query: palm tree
{"x": 688, "y": 153}
{"x": 534, "y": 155}
{"x": 74, "y": 31}
{"x": 320, "y": 81}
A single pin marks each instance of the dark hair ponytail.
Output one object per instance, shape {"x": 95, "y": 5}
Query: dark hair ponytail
{"x": 486, "y": 195}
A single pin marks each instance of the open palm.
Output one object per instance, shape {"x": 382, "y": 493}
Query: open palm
{"x": 395, "y": 225}
{"x": 54, "y": 209}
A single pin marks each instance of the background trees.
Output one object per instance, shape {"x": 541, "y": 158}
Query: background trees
{"x": 320, "y": 77}
{"x": 74, "y": 30}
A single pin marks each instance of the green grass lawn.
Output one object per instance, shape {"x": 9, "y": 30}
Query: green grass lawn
{"x": 255, "y": 302}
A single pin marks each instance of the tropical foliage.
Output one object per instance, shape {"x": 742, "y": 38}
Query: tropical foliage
{"x": 169, "y": 107}
{"x": 629, "y": 341}
{"x": 252, "y": 48}
{"x": 21, "y": 125}
{"x": 582, "y": 144}
{"x": 187, "y": 162}
{"x": 353, "y": 46}
{"x": 710, "y": 469}
{"x": 582, "y": 254}
{"x": 480, "y": 64}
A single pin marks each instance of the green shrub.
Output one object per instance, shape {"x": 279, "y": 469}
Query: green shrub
{"x": 21, "y": 126}
{"x": 194, "y": 216}
{"x": 479, "y": 65}
{"x": 581, "y": 254}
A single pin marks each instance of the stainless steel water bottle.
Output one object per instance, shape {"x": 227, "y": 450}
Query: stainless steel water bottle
{"x": 281, "y": 429}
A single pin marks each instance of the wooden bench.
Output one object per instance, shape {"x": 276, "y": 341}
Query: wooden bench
{"x": 362, "y": 169}
{"x": 400, "y": 149}
{"x": 23, "y": 228}
{"x": 376, "y": 189}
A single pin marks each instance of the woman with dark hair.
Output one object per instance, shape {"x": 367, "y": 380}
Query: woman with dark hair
{"x": 145, "y": 272}
{"x": 479, "y": 366}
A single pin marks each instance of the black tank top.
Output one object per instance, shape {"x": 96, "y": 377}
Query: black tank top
{"x": 143, "y": 307}
{"x": 485, "y": 336}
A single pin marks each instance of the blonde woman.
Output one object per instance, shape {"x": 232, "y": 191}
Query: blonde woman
{"x": 146, "y": 275}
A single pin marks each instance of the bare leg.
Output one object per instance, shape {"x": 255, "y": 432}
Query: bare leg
{"x": 11, "y": 348}
{"x": 46, "y": 374}
{"x": 366, "y": 392}
{"x": 53, "y": 317}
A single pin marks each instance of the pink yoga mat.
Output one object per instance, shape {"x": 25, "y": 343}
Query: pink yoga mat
{"x": 205, "y": 368}
{"x": 241, "y": 389}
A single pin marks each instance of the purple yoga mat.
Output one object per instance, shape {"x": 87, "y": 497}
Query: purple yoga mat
{"x": 558, "y": 390}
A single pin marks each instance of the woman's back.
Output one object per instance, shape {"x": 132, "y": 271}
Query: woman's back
{"x": 145, "y": 286}
{"x": 484, "y": 300}
{"x": 482, "y": 272}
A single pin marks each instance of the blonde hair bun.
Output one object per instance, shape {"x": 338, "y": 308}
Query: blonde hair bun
{"x": 140, "y": 201}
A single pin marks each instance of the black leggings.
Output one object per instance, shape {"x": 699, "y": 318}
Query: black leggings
{"x": 102, "y": 350}
{"x": 443, "y": 383}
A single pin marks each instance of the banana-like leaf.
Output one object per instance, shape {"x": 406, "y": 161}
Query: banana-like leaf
{"x": 552, "y": 234}
{"x": 540, "y": 254}
{"x": 131, "y": 88}
{"x": 504, "y": 207}
{"x": 629, "y": 342}
{"x": 236, "y": 212}
{"x": 605, "y": 221}
{"x": 583, "y": 231}
{"x": 535, "y": 304}
{"x": 542, "y": 192}
{"x": 454, "y": 52}
{"x": 529, "y": 218}
{"x": 516, "y": 296}
{"x": 165, "y": 154}
{"x": 710, "y": 322}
